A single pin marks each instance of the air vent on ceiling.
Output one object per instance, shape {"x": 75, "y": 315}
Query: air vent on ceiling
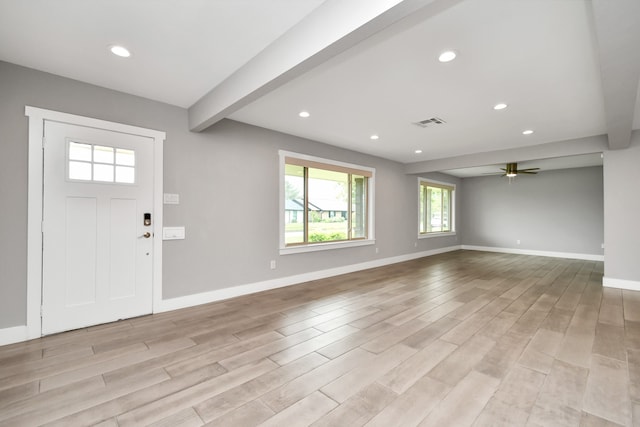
{"x": 430, "y": 122}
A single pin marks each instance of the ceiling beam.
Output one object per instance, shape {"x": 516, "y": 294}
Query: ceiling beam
{"x": 332, "y": 28}
{"x": 617, "y": 25}
{"x": 572, "y": 147}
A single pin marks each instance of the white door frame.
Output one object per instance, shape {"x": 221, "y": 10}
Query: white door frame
{"x": 37, "y": 116}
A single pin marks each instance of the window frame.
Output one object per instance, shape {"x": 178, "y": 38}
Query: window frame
{"x": 426, "y": 182}
{"x": 318, "y": 162}
{"x": 92, "y": 162}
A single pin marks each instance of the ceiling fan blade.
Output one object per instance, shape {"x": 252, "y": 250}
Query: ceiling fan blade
{"x": 512, "y": 168}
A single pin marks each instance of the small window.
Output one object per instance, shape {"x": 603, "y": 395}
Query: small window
{"x": 99, "y": 163}
{"x": 325, "y": 201}
{"x": 436, "y": 207}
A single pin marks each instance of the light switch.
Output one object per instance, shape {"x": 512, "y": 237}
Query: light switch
{"x": 171, "y": 199}
{"x": 173, "y": 233}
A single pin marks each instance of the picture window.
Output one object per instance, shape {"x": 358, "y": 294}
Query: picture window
{"x": 437, "y": 204}
{"x": 325, "y": 202}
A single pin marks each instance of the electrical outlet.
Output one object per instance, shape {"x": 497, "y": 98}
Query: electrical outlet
{"x": 415, "y": 245}
{"x": 602, "y": 246}
{"x": 377, "y": 250}
{"x": 518, "y": 242}
{"x": 273, "y": 264}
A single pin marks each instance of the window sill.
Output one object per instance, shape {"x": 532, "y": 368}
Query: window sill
{"x": 325, "y": 246}
{"x": 437, "y": 234}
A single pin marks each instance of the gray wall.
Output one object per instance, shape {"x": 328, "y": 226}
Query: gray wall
{"x": 228, "y": 186}
{"x": 227, "y": 178}
{"x": 622, "y": 212}
{"x": 558, "y": 211}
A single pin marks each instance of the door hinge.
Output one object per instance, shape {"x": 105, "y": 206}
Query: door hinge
{"x": 42, "y": 227}
{"x": 44, "y": 141}
{"x": 41, "y": 311}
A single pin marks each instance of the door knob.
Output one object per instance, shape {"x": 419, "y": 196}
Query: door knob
{"x": 146, "y": 235}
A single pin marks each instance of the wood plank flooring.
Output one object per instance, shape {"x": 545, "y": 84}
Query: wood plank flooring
{"x": 459, "y": 339}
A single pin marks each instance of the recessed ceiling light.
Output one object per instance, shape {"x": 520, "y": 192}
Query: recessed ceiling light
{"x": 304, "y": 114}
{"x": 120, "y": 51}
{"x": 374, "y": 137}
{"x": 527, "y": 132}
{"x": 500, "y": 106}
{"x": 418, "y": 151}
{"x": 447, "y": 56}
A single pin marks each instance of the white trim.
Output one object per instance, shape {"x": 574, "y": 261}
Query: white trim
{"x": 325, "y": 246}
{"x": 570, "y": 255}
{"x": 22, "y": 333}
{"x": 436, "y": 234}
{"x": 13, "y": 335}
{"x": 284, "y": 153}
{"x": 313, "y": 247}
{"x": 158, "y": 222}
{"x": 630, "y": 285}
{"x": 435, "y": 181}
{"x": 37, "y": 116}
{"x": 34, "y": 223}
{"x": 453, "y": 208}
{"x": 235, "y": 291}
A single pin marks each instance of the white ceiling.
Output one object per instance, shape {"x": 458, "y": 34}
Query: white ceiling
{"x": 180, "y": 49}
{"x": 360, "y": 67}
{"x": 555, "y": 163}
{"x": 536, "y": 56}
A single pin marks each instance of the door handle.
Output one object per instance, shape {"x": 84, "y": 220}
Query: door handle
{"x": 146, "y": 235}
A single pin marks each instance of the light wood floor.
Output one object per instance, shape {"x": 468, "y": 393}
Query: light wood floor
{"x": 464, "y": 338}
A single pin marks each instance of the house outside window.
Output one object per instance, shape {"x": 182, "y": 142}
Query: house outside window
{"x": 324, "y": 203}
{"x": 436, "y": 208}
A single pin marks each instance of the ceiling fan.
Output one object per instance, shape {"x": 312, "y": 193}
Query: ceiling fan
{"x": 512, "y": 170}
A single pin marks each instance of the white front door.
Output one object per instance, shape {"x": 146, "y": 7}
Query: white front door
{"x": 97, "y": 247}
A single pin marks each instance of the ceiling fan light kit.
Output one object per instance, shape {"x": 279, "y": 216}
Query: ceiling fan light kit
{"x": 511, "y": 171}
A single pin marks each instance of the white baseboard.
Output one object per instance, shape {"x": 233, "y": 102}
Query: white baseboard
{"x": 235, "y": 291}
{"x": 13, "y": 335}
{"x": 630, "y": 285}
{"x": 586, "y": 257}
{"x": 22, "y": 333}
